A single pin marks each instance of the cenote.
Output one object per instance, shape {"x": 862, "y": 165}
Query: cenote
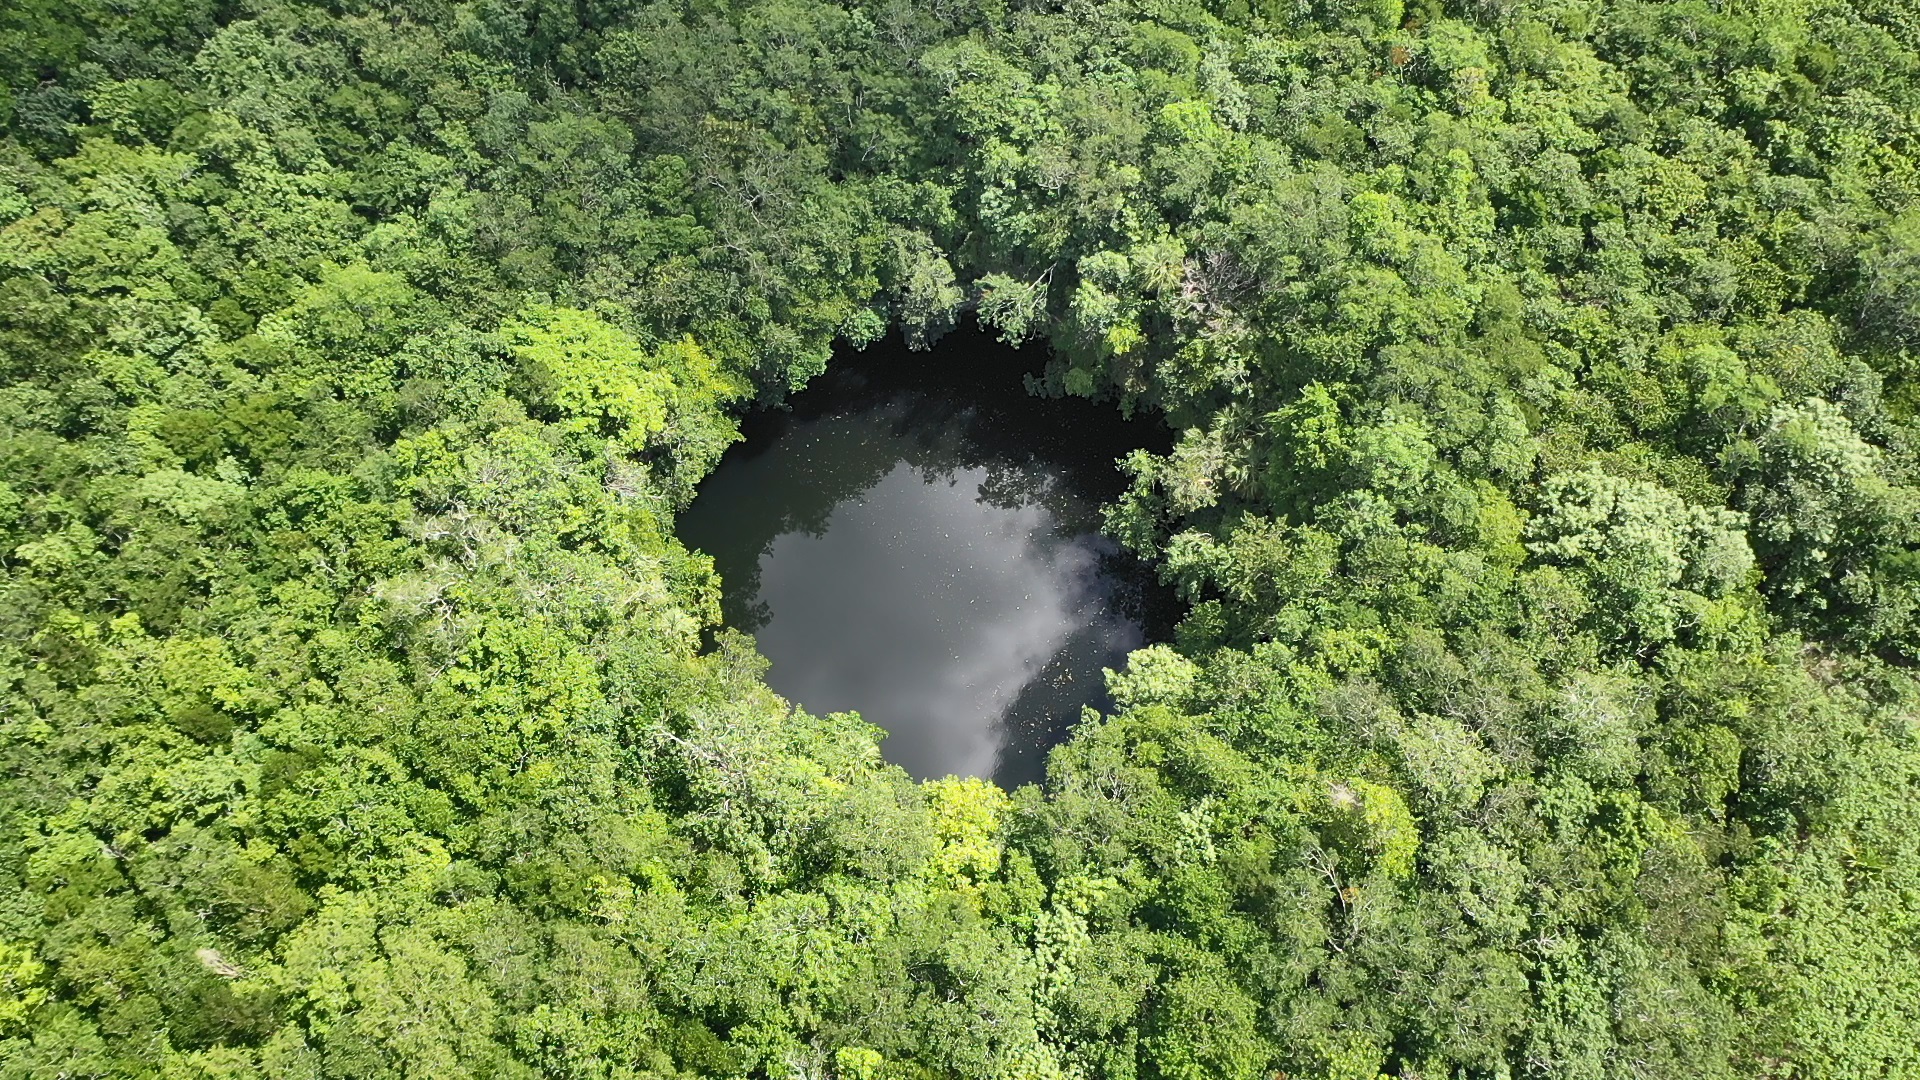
{"x": 916, "y": 538}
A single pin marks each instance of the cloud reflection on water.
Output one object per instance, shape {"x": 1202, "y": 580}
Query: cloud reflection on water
{"x": 930, "y": 611}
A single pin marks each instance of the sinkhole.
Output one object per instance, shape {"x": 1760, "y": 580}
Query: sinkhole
{"x": 916, "y": 538}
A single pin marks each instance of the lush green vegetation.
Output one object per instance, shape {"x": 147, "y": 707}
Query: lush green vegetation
{"x": 1546, "y": 500}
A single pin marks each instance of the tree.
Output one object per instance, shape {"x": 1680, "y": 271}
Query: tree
{"x": 1651, "y": 559}
{"x": 1832, "y": 529}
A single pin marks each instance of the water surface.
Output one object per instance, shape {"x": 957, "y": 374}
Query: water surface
{"x": 916, "y": 539}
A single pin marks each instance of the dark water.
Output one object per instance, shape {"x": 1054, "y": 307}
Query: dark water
{"x": 916, "y": 539}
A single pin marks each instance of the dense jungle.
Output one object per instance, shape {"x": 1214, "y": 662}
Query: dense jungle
{"x": 1542, "y": 504}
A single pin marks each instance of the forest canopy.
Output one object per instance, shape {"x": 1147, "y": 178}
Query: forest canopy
{"x": 1544, "y": 509}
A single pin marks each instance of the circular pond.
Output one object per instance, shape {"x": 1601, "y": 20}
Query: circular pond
{"x": 916, "y": 538}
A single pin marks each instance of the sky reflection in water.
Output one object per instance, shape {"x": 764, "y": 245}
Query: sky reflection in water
{"x": 927, "y": 555}
{"x": 930, "y": 611}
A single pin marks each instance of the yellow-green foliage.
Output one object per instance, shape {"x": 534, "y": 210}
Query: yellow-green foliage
{"x": 857, "y": 1063}
{"x": 588, "y": 370}
{"x": 20, "y": 989}
{"x": 1367, "y": 822}
{"x": 966, "y": 822}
